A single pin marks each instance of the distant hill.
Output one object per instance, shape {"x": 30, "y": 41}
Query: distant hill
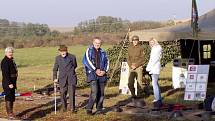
{"x": 182, "y": 20}
{"x": 62, "y": 29}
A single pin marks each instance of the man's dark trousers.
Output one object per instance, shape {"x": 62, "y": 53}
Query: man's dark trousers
{"x": 63, "y": 93}
{"x": 97, "y": 95}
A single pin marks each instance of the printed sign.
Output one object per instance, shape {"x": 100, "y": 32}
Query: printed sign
{"x": 201, "y": 87}
{"x": 197, "y": 81}
{"x": 123, "y": 85}
{"x": 202, "y": 78}
{"x": 190, "y": 87}
{"x": 200, "y": 96}
{"x": 189, "y": 96}
{"x": 192, "y": 69}
{"x": 191, "y": 78}
{"x": 179, "y": 72}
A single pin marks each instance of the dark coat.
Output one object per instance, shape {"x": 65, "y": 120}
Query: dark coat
{"x": 9, "y": 73}
{"x": 66, "y": 68}
{"x": 135, "y": 55}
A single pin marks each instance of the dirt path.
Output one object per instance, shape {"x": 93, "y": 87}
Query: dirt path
{"x": 40, "y": 107}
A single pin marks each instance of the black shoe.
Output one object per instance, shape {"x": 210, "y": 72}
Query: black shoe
{"x": 134, "y": 97}
{"x": 89, "y": 112}
{"x": 98, "y": 112}
{"x": 157, "y": 104}
{"x": 63, "y": 110}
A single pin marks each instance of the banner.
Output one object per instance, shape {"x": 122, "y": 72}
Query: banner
{"x": 194, "y": 18}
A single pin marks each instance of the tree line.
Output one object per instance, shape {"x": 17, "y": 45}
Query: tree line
{"x": 20, "y": 35}
{"x": 16, "y": 32}
{"x": 108, "y": 24}
{"x": 105, "y": 24}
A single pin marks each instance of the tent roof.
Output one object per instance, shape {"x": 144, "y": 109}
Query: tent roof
{"x": 181, "y": 31}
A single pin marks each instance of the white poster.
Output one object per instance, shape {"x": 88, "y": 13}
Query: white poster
{"x": 189, "y": 96}
{"x": 125, "y": 90}
{"x": 179, "y": 76}
{"x": 192, "y": 69}
{"x": 202, "y": 78}
{"x": 201, "y": 87}
{"x": 123, "y": 85}
{"x": 203, "y": 69}
{"x": 197, "y": 81}
{"x": 191, "y": 78}
{"x": 200, "y": 96}
{"x": 190, "y": 87}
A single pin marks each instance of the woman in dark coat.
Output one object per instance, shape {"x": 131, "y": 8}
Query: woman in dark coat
{"x": 9, "y": 77}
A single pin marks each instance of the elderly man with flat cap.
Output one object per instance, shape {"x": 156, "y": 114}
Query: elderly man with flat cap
{"x": 135, "y": 61}
{"x": 65, "y": 65}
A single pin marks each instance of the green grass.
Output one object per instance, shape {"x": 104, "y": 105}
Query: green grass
{"x": 35, "y": 69}
{"x": 44, "y": 56}
{"x": 35, "y": 64}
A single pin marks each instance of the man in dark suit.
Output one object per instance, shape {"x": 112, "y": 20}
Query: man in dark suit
{"x": 9, "y": 77}
{"x": 65, "y": 64}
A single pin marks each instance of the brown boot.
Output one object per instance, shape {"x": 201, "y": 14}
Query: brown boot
{"x": 7, "y": 104}
{"x": 9, "y": 108}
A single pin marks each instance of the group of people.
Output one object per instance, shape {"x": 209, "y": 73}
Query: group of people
{"x": 136, "y": 61}
{"x": 96, "y": 65}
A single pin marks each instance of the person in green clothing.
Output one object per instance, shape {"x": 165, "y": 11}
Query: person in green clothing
{"x": 135, "y": 62}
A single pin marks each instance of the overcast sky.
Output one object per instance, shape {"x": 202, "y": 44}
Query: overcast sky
{"x": 71, "y": 12}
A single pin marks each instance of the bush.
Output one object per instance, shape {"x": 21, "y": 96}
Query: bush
{"x": 81, "y": 78}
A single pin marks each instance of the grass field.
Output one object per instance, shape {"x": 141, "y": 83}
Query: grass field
{"x": 35, "y": 69}
{"x": 35, "y": 64}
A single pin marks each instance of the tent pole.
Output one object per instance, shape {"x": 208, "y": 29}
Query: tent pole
{"x": 199, "y": 44}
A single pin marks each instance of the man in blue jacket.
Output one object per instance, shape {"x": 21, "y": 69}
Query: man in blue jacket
{"x": 96, "y": 64}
